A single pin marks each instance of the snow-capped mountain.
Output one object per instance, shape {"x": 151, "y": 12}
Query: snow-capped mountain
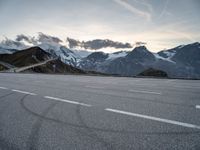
{"x": 36, "y": 55}
{"x": 133, "y": 63}
{"x": 92, "y": 61}
{"x": 182, "y": 61}
{"x": 53, "y": 47}
{"x": 112, "y": 56}
{"x": 56, "y": 50}
{"x": 119, "y": 62}
{"x": 82, "y": 53}
{"x": 95, "y": 60}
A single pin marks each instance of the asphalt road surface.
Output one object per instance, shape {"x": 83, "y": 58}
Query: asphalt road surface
{"x": 66, "y": 112}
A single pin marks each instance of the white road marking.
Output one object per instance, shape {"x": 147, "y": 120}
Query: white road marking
{"x": 24, "y": 92}
{"x": 139, "y": 84}
{"x": 4, "y": 88}
{"x": 146, "y": 92}
{"x": 155, "y": 118}
{"x": 67, "y": 101}
{"x": 94, "y": 87}
{"x": 183, "y": 86}
{"x": 197, "y": 106}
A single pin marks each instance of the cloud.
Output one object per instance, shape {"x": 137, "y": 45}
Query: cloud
{"x": 97, "y": 44}
{"x": 133, "y": 9}
{"x": 22, "y": 37}
{"x": 24, "y": 41}
{"x": 47, "y": 38}
{"x": 41, "y": 38}
{"x": 73, "y": 43}
{"x": 28, "y": 39}
{"x": 140, "y": 43}
{"x": 11, "y": 44}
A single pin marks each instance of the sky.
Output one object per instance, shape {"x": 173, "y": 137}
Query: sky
{"x": 162, "y": 24}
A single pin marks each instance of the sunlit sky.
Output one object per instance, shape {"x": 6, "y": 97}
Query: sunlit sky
{"x": 160, "y": 23}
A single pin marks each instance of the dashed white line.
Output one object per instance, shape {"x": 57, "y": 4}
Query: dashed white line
{"x": 145, "y": 92}
{"x": 24, "y": 92}
{"x": 197, "y": 106}
{"x": 67, "y": 101}
{"x": 4, "y": 88}
{"x": 154, "y": 118}
{"x": 94, "y": 87}
{"x": 183, "y": 86}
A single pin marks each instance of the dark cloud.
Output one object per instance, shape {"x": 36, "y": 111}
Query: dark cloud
{"x": 97, "y": 44}
{"x": 28, "y": 39}
{"x": 41, "y": 38}
{"x": 140, "y": 43}
{"x": 73, "y": 43}
{"x": 22, "y": 37}
{"x": 8, "y": 43}
{"x": 47, "y": 38}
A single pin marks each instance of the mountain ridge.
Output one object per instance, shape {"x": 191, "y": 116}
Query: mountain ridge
{"x": 179, "y": 62}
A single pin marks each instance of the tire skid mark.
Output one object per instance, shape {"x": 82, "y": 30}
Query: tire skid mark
{"x": 91, "y": 132}
{"x": 33, "y": 138}
{"x": 3, "y": 96}
{"x": 125, "y": 132}
{"x": 5, "y": 144}
{"x": 35, "y": 131}
{"x": 129, "y": 98}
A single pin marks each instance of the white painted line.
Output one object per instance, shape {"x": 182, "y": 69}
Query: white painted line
{"x": 155, "y": 118}
{"x": 146, "y": 92}
{"x": 67, "y": 101}
{"x": 94, "y": 87}
{"x": 197, "y": 106}
{"x": 138, "y": 84}
{"x": 24, "y": 92}
{"x": 4, "y": 88}
{"x": 189, "y": 87}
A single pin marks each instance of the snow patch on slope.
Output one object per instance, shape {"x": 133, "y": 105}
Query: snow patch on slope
{"x": 82, "y": 53}
{"x": 157, "y": 56}
{"x": 117, "y": 55}
{"x": 169, "y": 54}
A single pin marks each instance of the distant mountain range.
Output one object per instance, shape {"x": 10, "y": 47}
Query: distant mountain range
{"x": 179, "y": 62}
